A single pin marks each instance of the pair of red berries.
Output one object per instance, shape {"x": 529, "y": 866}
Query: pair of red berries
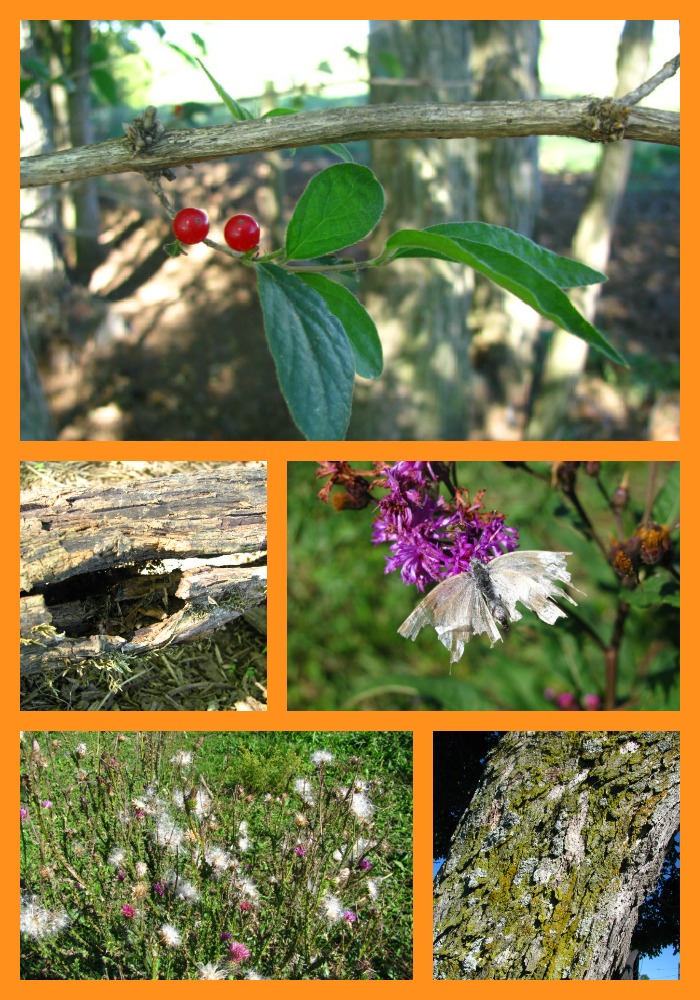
{"x": 241, "y": 232}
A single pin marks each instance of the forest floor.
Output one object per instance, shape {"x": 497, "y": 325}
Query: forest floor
{"x": 163, "y": 349}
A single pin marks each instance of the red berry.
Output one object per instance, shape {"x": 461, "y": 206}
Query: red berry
{"x": 191, "y": 225}
{"x": 242, "y": 232}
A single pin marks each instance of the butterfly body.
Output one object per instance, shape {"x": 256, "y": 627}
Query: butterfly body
{"x": 471, "y": 603}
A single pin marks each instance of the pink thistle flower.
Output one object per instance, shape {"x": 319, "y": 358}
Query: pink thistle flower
{"x": 128, "y": 911}
{"x": 238, "y": 952}
{"x": 350, "y": 916}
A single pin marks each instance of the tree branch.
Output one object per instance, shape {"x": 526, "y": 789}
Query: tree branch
{"x": 580, "y": 119}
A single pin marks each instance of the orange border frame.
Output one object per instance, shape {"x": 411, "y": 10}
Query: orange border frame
{"x": 422, "y": 724}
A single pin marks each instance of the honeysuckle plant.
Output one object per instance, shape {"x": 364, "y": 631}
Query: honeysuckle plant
{"x": 320, "y": 335}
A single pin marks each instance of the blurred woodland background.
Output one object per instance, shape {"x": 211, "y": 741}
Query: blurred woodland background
{"x": 133, "y": 345}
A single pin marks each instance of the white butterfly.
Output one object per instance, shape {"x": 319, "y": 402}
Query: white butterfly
{"x": 470, "y": 603}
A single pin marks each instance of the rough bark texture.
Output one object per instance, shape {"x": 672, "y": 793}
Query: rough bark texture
{"x": 83, "y": 590}
{"x": 562, "y": 841}
{"x": 578, "y": 118}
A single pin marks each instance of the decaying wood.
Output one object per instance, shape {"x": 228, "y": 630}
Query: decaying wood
{"x": 93, "y": 581}
{"x": 579, "y": 119}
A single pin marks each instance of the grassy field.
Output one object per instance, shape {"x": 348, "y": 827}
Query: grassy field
{"x": 344, "y": 612}
{"x": 216, "y": 855}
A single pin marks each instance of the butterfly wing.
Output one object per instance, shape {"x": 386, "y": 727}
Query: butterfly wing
{"x": 528, "y": 577}
{"x": 456, "y": 609}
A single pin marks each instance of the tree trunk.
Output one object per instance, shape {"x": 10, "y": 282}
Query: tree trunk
{"x": 93, "y": 578}
{"x": 567, "y": 355}
{"x": 422, "y": 308}
{"x": 39, "y": 261}
{"x": 562, "y": 841}
{"x": 504, "y": 67}
{"x": 88, "y": 252}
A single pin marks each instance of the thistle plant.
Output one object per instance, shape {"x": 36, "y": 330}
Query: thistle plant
{"x": 142, "y": 867}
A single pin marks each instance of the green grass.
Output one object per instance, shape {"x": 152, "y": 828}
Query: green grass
{"x": 344, "y": 611}
{"x": 134, "y": 841}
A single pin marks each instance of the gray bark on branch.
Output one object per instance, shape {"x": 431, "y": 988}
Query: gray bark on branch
{"x": 587, "y": 119}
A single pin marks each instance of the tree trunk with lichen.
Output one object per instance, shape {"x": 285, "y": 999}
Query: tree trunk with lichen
{"x": 98, "y": 574}
{"x": 562, "y": 841}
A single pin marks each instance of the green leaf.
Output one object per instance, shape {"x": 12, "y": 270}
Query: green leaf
{"x": 37, "y": 67}
{"x": 563, "y": 271}
{"x": 240, "y": 113}
{"x": 340, "y": 206}
{"x": 311, "y": 353}
{"x": 324, "y": 67}
{"x": 359, "y": 326}
{"x": 667, "y": 501}
{"x": 339, "y": 150}
{"x": 276, "y": 112}
{"x": 106, "y": 85}
{"x": 658, "y": 589}
{"x": 199, "y": 42}
{"x": 183, "y": 54}
{"x": 390, "y": 64}
{"x": 510, "y": 272}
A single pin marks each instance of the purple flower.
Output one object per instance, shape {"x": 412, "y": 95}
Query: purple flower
{"x": 225, "y": 936}
{"x": 128, "y": 911}
{"x": 567, "y": 702}
{"x": 431, "y": 539}
{"x": 23, "y": 813}
{"x": 159, "y": 888}
{"x": 591, "y": 702}
{"x": 350, "y": 916}
{"x": 121, "y": 877}
{"x": 364, "y": 864}
{"x": 47, "y": 804}
{"x": 300, "y": 851}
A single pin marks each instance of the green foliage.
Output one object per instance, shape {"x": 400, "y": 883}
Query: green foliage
{"x": 362, "y": 333}
{"x": 340, "y": 206}
{"x": 184, "y": 828}
{"x": 343, "y": 611}
{"x": 311, "y": 351}
{"x": 511, "y": 271}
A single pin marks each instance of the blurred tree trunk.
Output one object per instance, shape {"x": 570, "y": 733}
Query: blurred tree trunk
{"x": 39, "y": 259}
{"x": 422, "y": 309}
{"x": 563, "y": 840}
{"x": 567, "y": 355}
{"x": 88, "y": 252}
{"x": 504, "y": 68}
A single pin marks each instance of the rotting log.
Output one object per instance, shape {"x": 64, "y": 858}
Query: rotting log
{"x": 135, "y": 567}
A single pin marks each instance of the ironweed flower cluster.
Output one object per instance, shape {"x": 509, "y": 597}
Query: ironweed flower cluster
{"x": 430, "y": 536}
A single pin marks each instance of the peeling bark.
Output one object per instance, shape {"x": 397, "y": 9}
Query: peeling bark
{"x": 93, "y": 581}
{"x": 562, "y": 841}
